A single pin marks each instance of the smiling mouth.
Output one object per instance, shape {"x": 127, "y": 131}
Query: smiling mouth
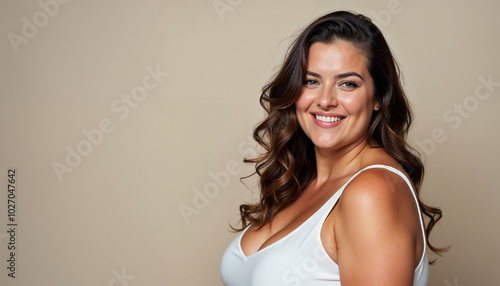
{"x": 328, "y": 118}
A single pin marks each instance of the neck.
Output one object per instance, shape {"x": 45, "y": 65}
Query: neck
{"x": 333, "y": 164}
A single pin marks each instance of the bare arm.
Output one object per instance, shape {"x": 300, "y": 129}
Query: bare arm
{"x": 376, "y": 231}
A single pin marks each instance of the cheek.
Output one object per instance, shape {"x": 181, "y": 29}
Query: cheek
{"x": 356, "y": 105}
{"x": 303, "y": 103}
{"x": 351, "y": 104}
{"x": 301, "y": 107}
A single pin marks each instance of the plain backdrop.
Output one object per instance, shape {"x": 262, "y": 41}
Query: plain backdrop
{"x": 127, "y": 122}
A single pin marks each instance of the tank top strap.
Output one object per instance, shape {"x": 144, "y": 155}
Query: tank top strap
{"x": 410, "y": 185}
{"x": 332, "y": 201}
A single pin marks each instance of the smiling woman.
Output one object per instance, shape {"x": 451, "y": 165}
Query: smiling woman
{"x": 339, "y": 185}
{"x": 336, "y": 103}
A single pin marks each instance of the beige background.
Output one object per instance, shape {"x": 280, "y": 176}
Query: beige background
{"x": 116, "y": 218}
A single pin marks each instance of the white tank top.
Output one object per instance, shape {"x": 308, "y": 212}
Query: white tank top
{"x": 299, "y": 258}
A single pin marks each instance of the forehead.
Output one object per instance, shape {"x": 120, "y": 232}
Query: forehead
{"x": 339, "y": 56}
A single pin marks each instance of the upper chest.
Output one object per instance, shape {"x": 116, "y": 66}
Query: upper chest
{"x": 290, "y": 218}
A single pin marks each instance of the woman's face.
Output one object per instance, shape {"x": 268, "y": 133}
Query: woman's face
{"x": 336, "y": 103}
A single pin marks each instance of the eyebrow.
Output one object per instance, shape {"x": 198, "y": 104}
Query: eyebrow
{"x": 338, "y": 76}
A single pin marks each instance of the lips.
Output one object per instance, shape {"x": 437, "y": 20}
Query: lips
{"x": 328, "y": 119}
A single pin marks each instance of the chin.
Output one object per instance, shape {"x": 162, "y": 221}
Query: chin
{"x": 325, "y": 145}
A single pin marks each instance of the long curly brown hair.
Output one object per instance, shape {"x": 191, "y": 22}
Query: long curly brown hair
{"x": 288, "y": 163}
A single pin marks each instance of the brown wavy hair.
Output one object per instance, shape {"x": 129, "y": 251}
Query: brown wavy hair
{"x": 288, "y": 164}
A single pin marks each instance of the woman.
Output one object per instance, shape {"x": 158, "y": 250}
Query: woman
{"x": 339, "y": 185}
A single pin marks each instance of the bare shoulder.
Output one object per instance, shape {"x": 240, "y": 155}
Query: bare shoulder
{"x": 378, "y": 187}
{"x": 376, "y": 229}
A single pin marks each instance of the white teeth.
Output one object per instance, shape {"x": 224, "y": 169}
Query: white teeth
{"x": 327, "y": 118}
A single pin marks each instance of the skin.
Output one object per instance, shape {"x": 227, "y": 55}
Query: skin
{"x": 373, "y": 232}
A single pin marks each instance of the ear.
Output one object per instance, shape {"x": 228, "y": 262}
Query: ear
{"x": 376, "y": 106}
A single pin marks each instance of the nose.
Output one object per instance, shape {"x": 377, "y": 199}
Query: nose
{"x": 327, "y": 98}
